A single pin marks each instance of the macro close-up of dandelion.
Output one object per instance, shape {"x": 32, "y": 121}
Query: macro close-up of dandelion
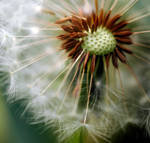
{"x": 80, "y": 67}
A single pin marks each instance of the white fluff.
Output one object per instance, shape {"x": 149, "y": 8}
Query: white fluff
{"x": 33, "y": 62}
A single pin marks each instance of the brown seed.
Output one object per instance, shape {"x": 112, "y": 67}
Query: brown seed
{"x": 93, "y": 63}
{"x": 63, "y": 20}
{"x": 75, "y": 56}
{"x": 69, "y": 44}
{"x": 74, "y": 50}
{"x": 93, "y": 17}
{"x": 112, "y": 21}
{"x": 123, "y": 33}
{"x": 107, "y": 17}
{"x": 86, "y": 59}
{"x": 63, "y": 37}
{"x": 101, "y": 17}
{"x": 93, "y": 28}
{"x": 127, "y": 50}
{"x": 89, "y": 21}
{"x": 107, "y": 60}
{"x": 96, "y": 23}
{"x": 85, "y": 25}
{"x": 118, "y": 26}
{"x": 125, "y": 40}
{"x": 67, "y": 28}
{"x": 77, "y": 22}
{"x": 77, "y": 35}
{"x": 115, "y": 60}
{"x": 121, "y": 56}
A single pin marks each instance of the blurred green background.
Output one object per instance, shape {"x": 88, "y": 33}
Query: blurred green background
{"x": 15, "y": 128}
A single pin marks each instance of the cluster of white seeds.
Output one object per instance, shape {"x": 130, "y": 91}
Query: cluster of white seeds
{"x": 101, "y": 42}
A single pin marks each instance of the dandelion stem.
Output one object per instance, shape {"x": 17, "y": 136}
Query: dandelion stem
{"x": 128, "y": 6}
{"x": 141, "y": 58}
{"x": 30, "y": 45}
{"x": 88, "y": 99}
{"x": 113, "y": 5}
{"x": 102, "y": 4}
{"x": 138, "y": 18}
{"x": 79, "y": 90}
{"x": 48, "y": 11}
{"x": 96, "y": 6}
{"x": 141, "y": 32}
{"x": 36, "y": 36}
{"x": 141, "y": 45}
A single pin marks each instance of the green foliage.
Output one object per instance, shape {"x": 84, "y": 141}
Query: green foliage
{"x": 82, "y": 136}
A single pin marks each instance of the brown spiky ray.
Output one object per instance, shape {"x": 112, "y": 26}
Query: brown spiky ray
{"x": 77, "y": 26}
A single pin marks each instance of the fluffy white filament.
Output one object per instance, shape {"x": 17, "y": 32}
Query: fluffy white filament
{"x": 29, "y": 53}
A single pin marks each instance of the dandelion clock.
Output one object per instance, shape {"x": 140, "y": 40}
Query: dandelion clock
{"x": 81, "y": 66}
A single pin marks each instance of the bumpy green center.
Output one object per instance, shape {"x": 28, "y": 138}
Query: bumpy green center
{"x": 101, "y": 42}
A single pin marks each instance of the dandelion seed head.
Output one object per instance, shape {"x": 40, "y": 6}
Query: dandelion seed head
{"x": 66, "y": 62}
